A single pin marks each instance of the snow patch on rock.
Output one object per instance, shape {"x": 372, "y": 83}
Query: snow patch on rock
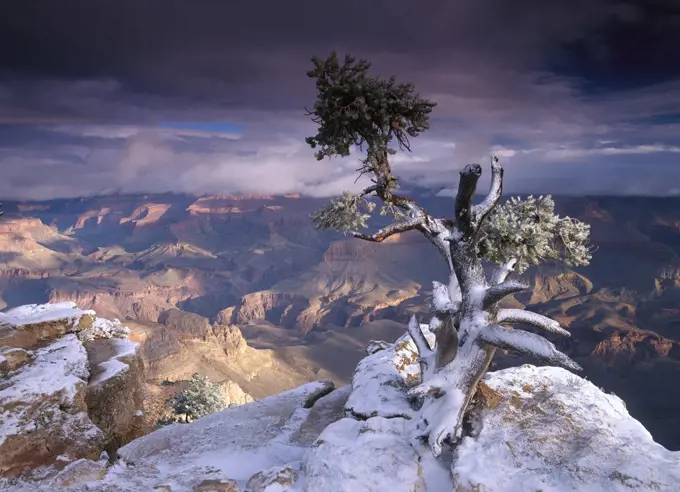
{"x": 56, "y": 371}
{"x": 40, "y": 313}
{"x": 380, "y": 381}
{"x": 364, "y": 456}
{"x": 547, "y": 429}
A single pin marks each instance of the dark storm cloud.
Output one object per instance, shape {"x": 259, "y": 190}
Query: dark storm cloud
{"x": 555, "y": 87}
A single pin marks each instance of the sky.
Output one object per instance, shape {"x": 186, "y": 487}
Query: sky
{"x": 205, "y": 96}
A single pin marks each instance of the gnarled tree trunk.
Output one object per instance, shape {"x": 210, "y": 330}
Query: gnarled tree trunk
{"x": 469, "y": 305}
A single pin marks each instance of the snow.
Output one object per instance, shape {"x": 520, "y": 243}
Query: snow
{"x": 235, "y": 443}
{"x": 124, "y": 347}
{"x": 56, "y": 368}
{"x": 533, "y": 319}
{"x": 105, "y": 328}
{"x": 363, "y": 456}
{"x": 113, "y": 367}
{"x": 107, "y": 370}
{"x": 40, "y": 313}
{"x": 549, "y": 430}
{"x": 380, "y": 380}
{"x": 441, "y": 299}
{"x": 557, "y": 432}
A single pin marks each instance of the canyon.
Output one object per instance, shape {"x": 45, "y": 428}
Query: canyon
{"x": 244, "y": 289}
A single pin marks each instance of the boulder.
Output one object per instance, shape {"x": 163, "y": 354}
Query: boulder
{"x": 380, "y": 381}
{"x": 12, "y": 359}
{"x": 544, "y": 428}
{"x": 276, "y": 479}
{"x": 213, "y": 485}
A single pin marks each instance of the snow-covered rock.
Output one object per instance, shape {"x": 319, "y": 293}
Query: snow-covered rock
{"x": 34, "y": 325}
{"x": 117, "y": 370}
{"x": 380, "y": 381}
{"x": 67, "y": 391}
{"x": 234, "y": 444}
{"x": 43, "y": 412}
{"x": 547, "y": 429}
{"x": 530, "y": 429}
{"x": 364, "y": 456}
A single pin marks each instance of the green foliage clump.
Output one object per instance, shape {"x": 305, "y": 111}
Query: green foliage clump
{"x": 201, "y": 397}
{"x": 530, "y": 231}
{"x": 355, "y": 108}
{"x": 345, "y": 214}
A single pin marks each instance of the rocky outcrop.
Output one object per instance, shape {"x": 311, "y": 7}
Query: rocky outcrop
{"x": 34, "y": 325}
{"x": 632, "y": 347}
{"x": 234, "y": 394}
{"x": 278, "y": 308}
{"x": 43, "y": 410}
{"x": 551, "y": 282}
{"x": 547, "y": 429}
{"x": 65, "y": 400}
{"x": 145, "y": 304}
{"x": 189, "y": 327}
{"x": 117, "y": 369}
{"x": 529, "y": 428}
{"x": 277, "y": 479}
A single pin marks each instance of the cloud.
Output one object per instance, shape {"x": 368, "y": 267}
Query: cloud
{"x": 82, "y": 100}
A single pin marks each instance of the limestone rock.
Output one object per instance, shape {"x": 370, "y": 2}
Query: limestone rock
{"x": 212, "y": 485}
{"x": 43, "y": 413}
{"x": 13, "y": 358}
{"x": 116, "y": 390}
{"x": 234, "y": 394}
{"x": 80, "y": 471}
{"x": 380, "y": 381}
{"x": 376, "y": 346}
{"x": 36, "y": 325}
{"x": 277, "y": 479}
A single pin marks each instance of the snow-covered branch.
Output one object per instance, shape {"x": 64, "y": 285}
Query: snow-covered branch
{"x": 390, "y": 230}
{"x": 532, "y": 319}
{"x": 480, "y": 212}
{"x": 497, "y": 292}
{"x": 527, "y": 343}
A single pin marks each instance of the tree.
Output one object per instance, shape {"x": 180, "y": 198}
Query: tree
{"x": 354, "y": 109}
{"x": 201, "y": 397}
